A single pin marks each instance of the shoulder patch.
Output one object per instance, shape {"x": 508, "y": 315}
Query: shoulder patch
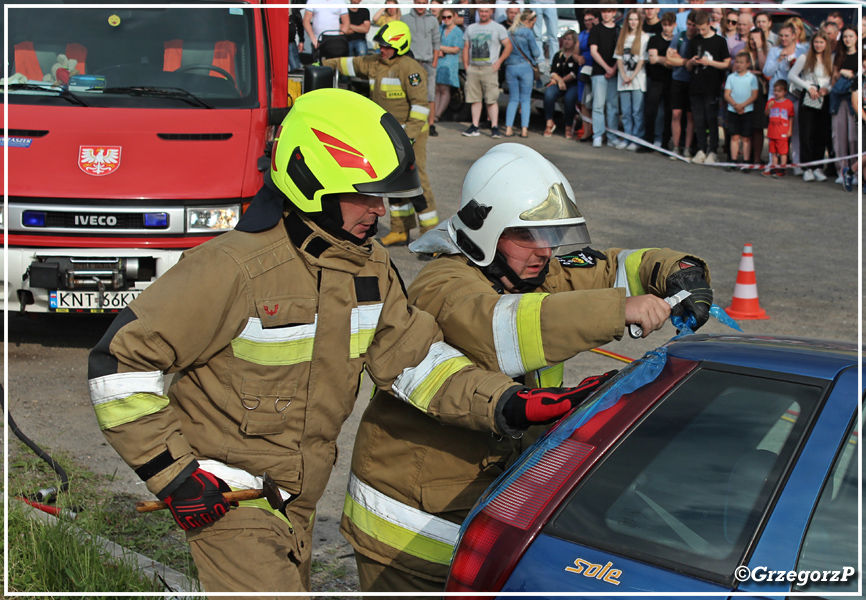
{"x": 415, "y": 79}
{"x": 582, "y": 258}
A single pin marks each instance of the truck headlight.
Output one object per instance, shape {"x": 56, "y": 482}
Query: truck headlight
{"x": 217, "y": 218}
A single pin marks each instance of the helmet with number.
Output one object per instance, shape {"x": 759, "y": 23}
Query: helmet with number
{"x": 396, "y": 35}
{"x": 338, "y": 142}
{"x": 514, "y": 190}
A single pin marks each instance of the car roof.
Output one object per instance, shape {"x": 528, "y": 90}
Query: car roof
{"x": 817, "y": 358}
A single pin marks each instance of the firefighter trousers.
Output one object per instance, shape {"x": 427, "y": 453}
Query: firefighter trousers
{"x": 377, "y": 577}
{"x": 402, "y": 212}
{"x": 247, "y": 551}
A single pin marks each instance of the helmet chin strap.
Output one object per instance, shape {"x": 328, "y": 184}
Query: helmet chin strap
{"x": 331, "y": 220}
{"x": 499, "y": 268}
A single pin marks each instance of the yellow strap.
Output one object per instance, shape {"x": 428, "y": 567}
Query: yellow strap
{"x": 405, "y": 540}
{"x": 529, "y": 332}
{"x": 273, "y": 353}
{"x": 632, "y": 271}
{"x": 423, "y": 394}
{"x": 126, "y": 410}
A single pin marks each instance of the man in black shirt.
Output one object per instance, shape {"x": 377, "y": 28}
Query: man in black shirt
{"x": 708, "y": 60}
{"x": 658, "y": 124}
{"x": 359, "y": 25}
{"x": 602, "y": 46}
{"x": 651, "y": 22}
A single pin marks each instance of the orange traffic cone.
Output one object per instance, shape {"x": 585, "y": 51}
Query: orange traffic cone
{"x": 744, "y": 305}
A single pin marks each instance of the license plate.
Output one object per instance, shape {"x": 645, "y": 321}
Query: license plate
{"x": 83, "y": 301}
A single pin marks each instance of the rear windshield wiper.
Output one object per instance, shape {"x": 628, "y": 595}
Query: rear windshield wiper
{"x": 164, "y": 92}
{"x": 62, "y": 92}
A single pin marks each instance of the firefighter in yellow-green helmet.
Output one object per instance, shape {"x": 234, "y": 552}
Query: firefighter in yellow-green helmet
{"x": 398, "y": 83}
{"x": 264, "y": 332}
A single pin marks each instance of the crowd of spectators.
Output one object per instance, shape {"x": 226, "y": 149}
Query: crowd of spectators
{"x": 672, "y": 81}
{"x": 666, "y": 79}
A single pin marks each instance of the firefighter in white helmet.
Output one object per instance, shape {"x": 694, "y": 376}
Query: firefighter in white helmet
{"x": 501, "y": 297}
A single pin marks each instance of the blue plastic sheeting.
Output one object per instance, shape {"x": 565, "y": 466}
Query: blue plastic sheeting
{"x": 638, "y": 374}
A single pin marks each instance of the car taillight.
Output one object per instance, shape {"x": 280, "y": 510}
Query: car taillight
{"x": 512, "y": 520}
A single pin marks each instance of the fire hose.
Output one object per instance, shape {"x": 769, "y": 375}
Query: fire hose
{"x": 44, "y": 495}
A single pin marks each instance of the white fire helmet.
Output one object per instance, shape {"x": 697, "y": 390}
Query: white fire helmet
{"x": 515, "y": 190}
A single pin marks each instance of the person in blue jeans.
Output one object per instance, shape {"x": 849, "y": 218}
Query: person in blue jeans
{"x": 631, "y": 55}
{"x": 563, "y": 82}
{"x": 518, "y": 72}
{"x": 551, "y": 21}
{"x": 605, "y": 103}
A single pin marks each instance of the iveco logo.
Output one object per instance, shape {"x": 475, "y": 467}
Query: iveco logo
{"x": 95, "y": 221}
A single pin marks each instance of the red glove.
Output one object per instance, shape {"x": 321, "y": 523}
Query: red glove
{"x": 199, "y": 500}
{"x": 539, "y": 406}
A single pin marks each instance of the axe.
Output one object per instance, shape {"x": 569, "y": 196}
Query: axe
{"x": 269, "y": 490}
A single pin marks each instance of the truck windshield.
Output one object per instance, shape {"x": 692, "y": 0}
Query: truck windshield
{"x": 194, "y": 58}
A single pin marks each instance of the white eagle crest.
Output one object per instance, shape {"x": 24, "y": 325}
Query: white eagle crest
{"x": 99, "y": 160}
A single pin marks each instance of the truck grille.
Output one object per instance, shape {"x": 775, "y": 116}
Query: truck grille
{"x": 68, "y": 220}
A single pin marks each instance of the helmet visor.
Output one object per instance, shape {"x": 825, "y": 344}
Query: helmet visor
{"x": 552, "y": 236}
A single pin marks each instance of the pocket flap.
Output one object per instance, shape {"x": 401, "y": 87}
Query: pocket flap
{"x": 286, "y": 310}
{"x": 261, "y": 423}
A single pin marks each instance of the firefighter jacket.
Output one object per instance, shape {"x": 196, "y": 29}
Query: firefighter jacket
{"x": 398, "y": 85}
{"x": 414, "y": 480}
{"x": 267, "y": 334}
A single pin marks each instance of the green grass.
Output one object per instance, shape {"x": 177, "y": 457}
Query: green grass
{"x": 50, "y": 558}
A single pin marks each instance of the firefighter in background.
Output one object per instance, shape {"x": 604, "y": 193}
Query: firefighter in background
{"x": 269, "y": 328}
{"x": 501, "y": 299}
{"x": 398, "y": 83}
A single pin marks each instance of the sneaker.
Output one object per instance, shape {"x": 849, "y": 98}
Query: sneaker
{"x": 621, "y": 145}
{"x": 819, "y": 175}
{"x": 847, "y": 178}
{"x": 840, "y": 180}
{"x": 433, "y": 132}
{"x": 596, "y": 142}
{"x": 632, "y": 147}
{"x": 798, "y": 171}
{"x": 710, "y": 159}
{"x": 472, "y": 131}
{"x": 808, "y": 176}
{"x": 699, "y": 158}
{"x": 687, "y": 154}
{"x": 779, "y": 173}
{"x": 676, "y": 152}
{"x": 768, "y": 171}
{"x": 494, "y": 133}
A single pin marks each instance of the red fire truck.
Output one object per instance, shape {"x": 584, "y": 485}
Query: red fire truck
{"x": 133, "y": 134}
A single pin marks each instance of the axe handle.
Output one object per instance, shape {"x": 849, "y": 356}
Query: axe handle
{"x": 152, "y": 505}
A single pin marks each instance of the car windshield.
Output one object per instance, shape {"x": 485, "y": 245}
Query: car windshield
{"x": 831, "y": 540}
{"x": 688, "y": 485}
{"x": 152, "y": 57}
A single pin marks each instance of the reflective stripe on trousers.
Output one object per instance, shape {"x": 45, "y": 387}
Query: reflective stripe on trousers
{"x": 238, "y": 479}
{"x": 395, "y": 524}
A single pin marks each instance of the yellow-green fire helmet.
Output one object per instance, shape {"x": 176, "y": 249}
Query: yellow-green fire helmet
{"x": 335, "y": 141}
{"x": 396, "y": 35}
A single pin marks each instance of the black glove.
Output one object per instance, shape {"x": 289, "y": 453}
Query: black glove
{"x": 199, "y": 500}
{"x": 691, "y": 277}
{"x": 526, "y": 407}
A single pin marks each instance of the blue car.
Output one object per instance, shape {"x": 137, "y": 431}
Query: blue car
{"x": 717, "y": 463}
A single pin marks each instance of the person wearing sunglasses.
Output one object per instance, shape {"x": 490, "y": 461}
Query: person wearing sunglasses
{"x": 450, "y": 49}
{"x": 736, "y": 42}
